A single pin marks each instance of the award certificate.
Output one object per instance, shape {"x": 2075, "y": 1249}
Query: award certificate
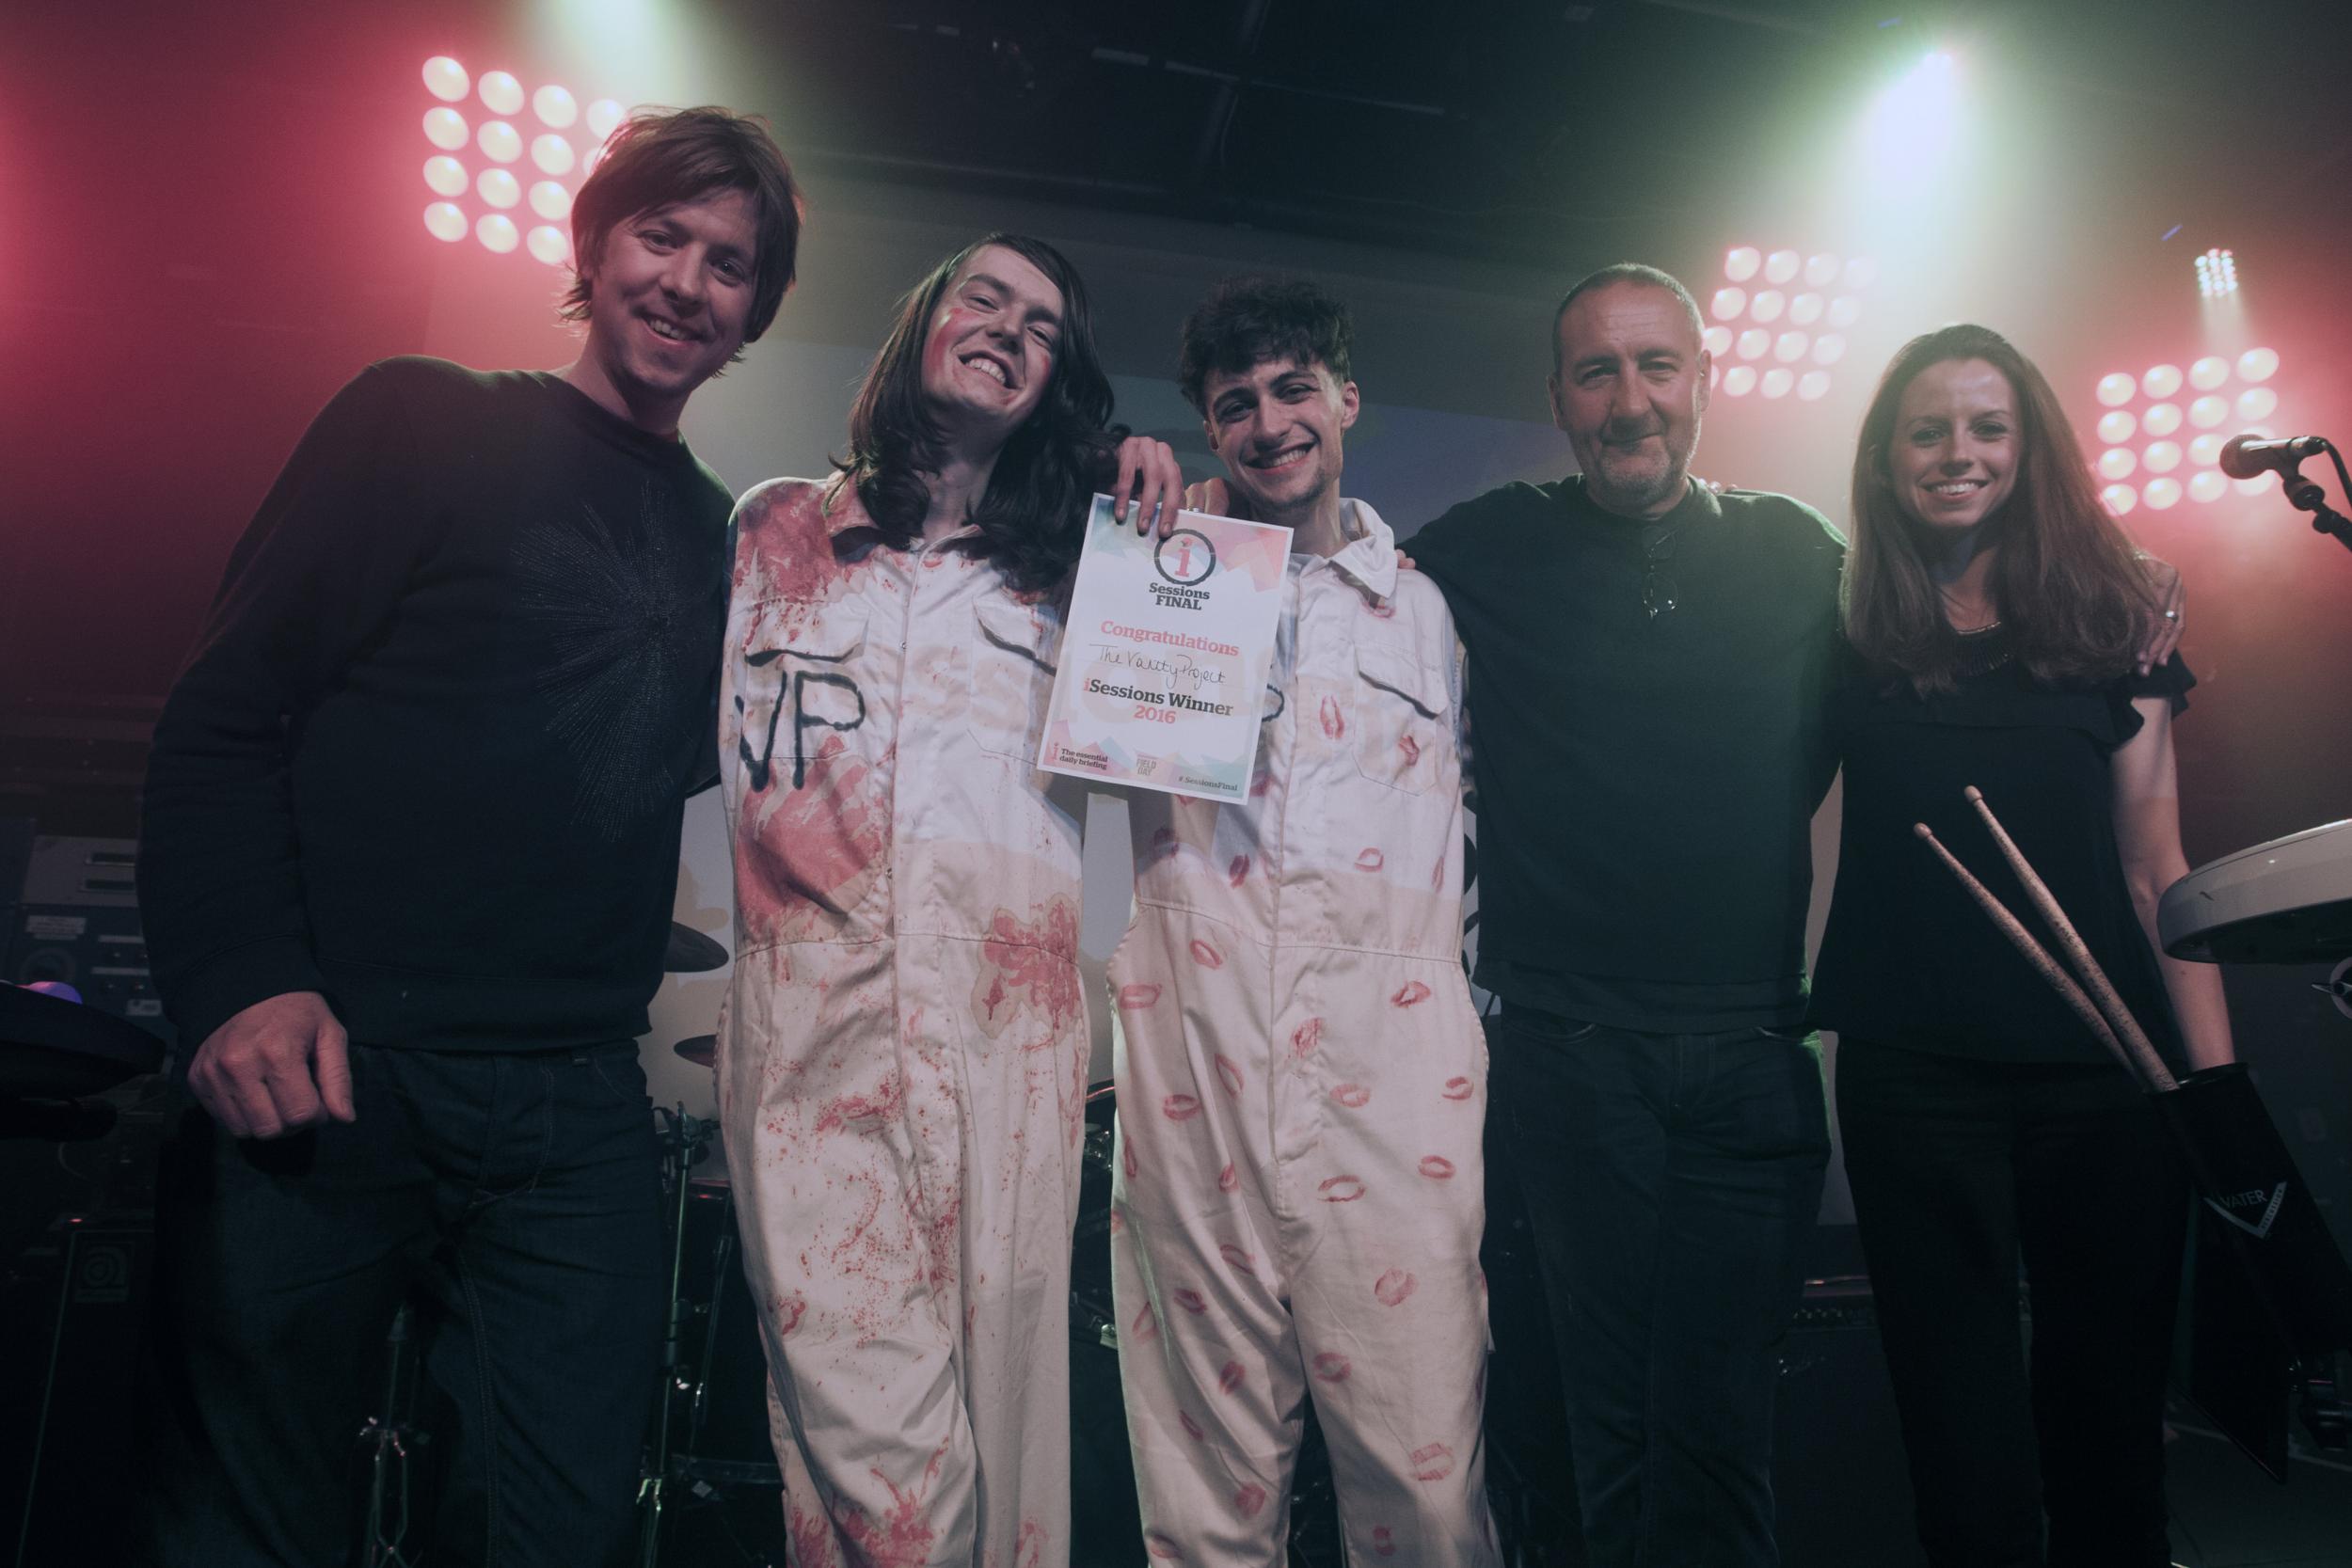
{"x": 1164, "y": 659}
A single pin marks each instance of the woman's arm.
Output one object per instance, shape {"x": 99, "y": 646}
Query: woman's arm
{"x": 2148, "y": 831}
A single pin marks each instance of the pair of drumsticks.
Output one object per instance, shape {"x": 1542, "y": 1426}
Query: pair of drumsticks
{"x": 2117, "y": 1030}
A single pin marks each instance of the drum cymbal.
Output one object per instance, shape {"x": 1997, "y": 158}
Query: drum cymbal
{"x": 689, "y": 952}
{"x": 701, "y": 1049}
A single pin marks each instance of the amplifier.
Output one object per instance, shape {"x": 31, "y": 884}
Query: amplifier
{"x": 78, "y": 922}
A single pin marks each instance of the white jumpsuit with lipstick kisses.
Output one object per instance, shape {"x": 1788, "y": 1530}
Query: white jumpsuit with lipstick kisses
{"x": 1301, "y": 1084}
{"x": 901, "y": 1056}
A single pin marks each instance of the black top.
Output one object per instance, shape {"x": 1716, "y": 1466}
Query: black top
{"x": 430, "y": 753}
{"x": 1908, "y": 958}
{"x": 1646, "y": 775}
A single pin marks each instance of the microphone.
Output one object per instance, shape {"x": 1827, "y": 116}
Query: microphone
{"x": 2244, "y": 456}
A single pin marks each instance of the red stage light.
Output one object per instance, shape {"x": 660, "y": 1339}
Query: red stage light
{"x": 2120, "y": 499}
{"x": 1739, "y": 381}
{"x": 554, "y": 107}
{"x": 500, "y": 93}
{"x": 445, "y": 79}
{"x": 497, "y": 231}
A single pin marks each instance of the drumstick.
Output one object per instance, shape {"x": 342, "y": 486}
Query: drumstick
{"x": 2152, "y": 1069}
{"x": 2033, "y": 952}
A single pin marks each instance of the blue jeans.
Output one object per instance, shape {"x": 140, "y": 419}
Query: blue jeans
{"x": 521, "y": 1193}
{"x": 1671, "y": 1183}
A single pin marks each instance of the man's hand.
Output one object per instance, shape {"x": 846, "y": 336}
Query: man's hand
{"x": 281, "y": 1065}
{"x": 1215, "y": 498}
{"x": 2164, "y": 628}
{"x": 1149, "y": 475}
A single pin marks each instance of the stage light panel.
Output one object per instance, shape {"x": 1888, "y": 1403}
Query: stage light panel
{"x": 1753, "y": 342}
{"x": 2161, "y": 457}
{"x": 2258, "y": 364}
{"x": 548, "y": 245}
{"x": 1790, "y": 348}
{"x": 1813, "y": 386}
{"x": 2206, "y": 449}
{"x": 2208, "y": 484}
{"x": 1742, "y": 263}
{"x": 1776, "y": 382}
{"x": 550, "y": 201}
{"x": 445, "y": 129}
{"x": 2162, "y": 495}
{"x": 446, "y": 80}
{"x": 2257, "y": 402}
{"x": 1728, "y": 303}
{"x": 2162, "y": 418}
{"x": 1844, "y": 310}
{"x": 554, "y": 107}
{"x": 1717, "y": 340}
{"x": 1739, "y": 381}
{"x": 552, "y": 154}
{"x": 445, "y": 176}
{"x": 1861, "y": 272}
{"x": 2116, "y": 426}
{"x": 500, "y": 142}
{"x": 1767, "y": 305}
{"x": 2119, "y": 498}
{"x": 2209, "y": 372}
{"x": 1828, "y": 349}
{"x": 1805, "y": 310}
{"x": 2161, "y": 381}
{"x": 604, "y": 116}
{"x": 2116, "y": 462}
{"x": 498, "y": 188}
{"x": 496, "y": 233}
{"x": 2208, "y": 411}
{"x": 443, "y": 220}
{"x": 500, "y": 93}
{"x": 2216, "y": 274}
{"x": 1780, "y": 266}
{"x": 1821, "y": 269}
{"x": 2116, "y": 389}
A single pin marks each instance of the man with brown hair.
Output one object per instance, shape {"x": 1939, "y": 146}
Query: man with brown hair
{"x": 410, "y": 846}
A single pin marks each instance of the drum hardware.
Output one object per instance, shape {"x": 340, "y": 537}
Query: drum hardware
{"x": 689, "y": 952}
{"x": 388, "y": 1439}
{"x": 701, "y": 1049}
{"x": 683, "y": 1139}
{"x": 53, "y": 1051}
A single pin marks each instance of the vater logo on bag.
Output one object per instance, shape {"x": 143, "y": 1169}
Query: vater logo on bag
{"x": 2253, "y": 1198}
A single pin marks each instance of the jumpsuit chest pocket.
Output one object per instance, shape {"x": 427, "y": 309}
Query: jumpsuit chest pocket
{"x": 1403, "y": 720}
{"x": 800, "y": 704}
{"x": 1012, "y": 663}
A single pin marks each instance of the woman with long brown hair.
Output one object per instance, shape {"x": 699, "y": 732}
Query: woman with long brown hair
{"x": 1995, "y": 613}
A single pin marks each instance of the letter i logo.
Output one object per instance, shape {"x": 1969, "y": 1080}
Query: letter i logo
{"x": 1180, "y": 563}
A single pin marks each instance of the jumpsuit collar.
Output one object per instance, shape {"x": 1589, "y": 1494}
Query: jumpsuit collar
{"x": 1369, "y": 559}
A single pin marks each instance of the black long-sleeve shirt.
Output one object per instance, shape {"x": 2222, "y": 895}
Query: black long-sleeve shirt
{"x": 1646, "y": 780}
{"x": 430, "y": 753}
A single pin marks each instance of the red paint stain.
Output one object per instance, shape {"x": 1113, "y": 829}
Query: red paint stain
{"x": 902, "y": 1539}
{"x": 1206, "y": 955}
{"x": 1236, "y": 1259}
{"x": 1248, "y": 1500}
{"x": 1340, "y": 1189}
{"x": 1437, "y": 1168}
{"x": 1189, "y": 1299}
{"x": 1392, "y": 1288}
{"x": 1411, "y": 993}
{"x": 1228, "y": 1179}
{"x": 881, "y": 1106}
{"x": 1028, "y": 1549}
{"x": 1383, "y": 1541}
{"x": 1164, "y": 845}
{"x": 1334, "y": 720}
{"x": 803, "y": 855}
{"x": 1136, "y": 998}
{"x": 1230, "y": 1378}
{"x": 1117, "y": 1223}
{"x": 1432, "y": 1462}
{"x": 812, "y": 1539}
{"x": 1306, "y": 1038}
{"x": 1460, "y": 1088}
{"x": 1039, "y": 957}
{"x": 1127, "y": 1158}
{"x": 1192, "y": 1428}
{"x": 787, "y": 1311}
{"x": 1352, "y": 1096}
{"x": 1145, "y": 1328}
{"x": 1180, "y": 1107}
{"x": 1331, "y": 1366}
{"x": 1162, "y": 1547}
{"x": 1411, "y": 747}
{"x": 1370, "y": 860}
{"x": 1228, "y": 1074}
{"x": 1238, "y": 872}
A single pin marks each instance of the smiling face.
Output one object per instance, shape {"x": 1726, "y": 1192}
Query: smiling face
{"x": 1628, "y": 394}
{"x": 1953, "y": 457}
{"x": 1277, "y": 425}
{"x": 671, "y": 297}
{"x": 988, "y": 355}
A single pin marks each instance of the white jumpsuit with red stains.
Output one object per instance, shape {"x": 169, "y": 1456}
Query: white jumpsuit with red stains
{"x": 901, "y": 1056}
{"x": 1301, "y": 1089}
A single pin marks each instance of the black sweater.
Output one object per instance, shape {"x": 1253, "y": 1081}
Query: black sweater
{"x": 1645, "y": 784}
{"x": 430, "y": 753}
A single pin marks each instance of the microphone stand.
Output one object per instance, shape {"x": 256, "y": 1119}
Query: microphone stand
{"x": 2304, "y": 496}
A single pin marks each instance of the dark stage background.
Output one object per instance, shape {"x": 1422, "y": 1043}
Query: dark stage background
{"x": 210, "y": 218}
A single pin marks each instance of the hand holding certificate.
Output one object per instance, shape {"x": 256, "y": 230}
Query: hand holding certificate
{"x": 1164, "y": 663}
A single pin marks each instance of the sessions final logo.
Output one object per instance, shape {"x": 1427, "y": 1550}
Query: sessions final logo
{"x": 1184, "y": 559}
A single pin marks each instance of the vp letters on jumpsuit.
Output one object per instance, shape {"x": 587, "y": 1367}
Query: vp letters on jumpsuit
{"x": 902, "y": 1053}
